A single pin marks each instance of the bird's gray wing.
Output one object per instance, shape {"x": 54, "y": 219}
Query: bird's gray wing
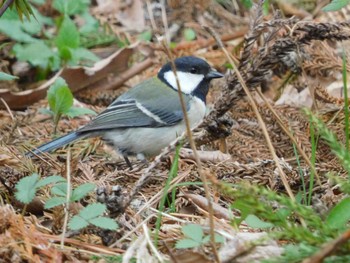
{"x": 128, "y": 111}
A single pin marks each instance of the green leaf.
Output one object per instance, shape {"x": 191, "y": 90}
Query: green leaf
{"x": 59, "y": 189}
{"x": 26, "y": 188}
{"x": 50, "y": 180}
{"x": 189, "y": 34}
{"x": 104, "y": 222}
{"x": 92, "y": 211}
{"x": 78, "y": 111}
{"x": 193, "y": 231}
{"x": 68, "y": 35}
{"x": 14, "y": 30}
{"x": 218, "y": 239}
{"x": 11, "y": 25}
{"x": 54, "y": 201}
{"x": 77, "y": 223}
{"x": 247, "y": 3}
{"x": 254, "y": 222}
{"x": 60, "y": 97}
{"x": 36, "y": 53}
{"x": 79, "y": 55}
{"x": 90, "y": 23}
{"x": 283, "y": 213}
{"x": 38, "y": 2}
{"x": 186, "y": 243}
{"x": 66, "y": 54}
{"x": 146, "y": 36}
{"x": 5, "y": 76}
{"x": 335, "y": 5}
{"x": 339, "y": 215}
{"x": 81, "y": 191}
{"x": 23, "y": 8}
{"x": 70, "y": 7}
{"x": 45, "y": 111}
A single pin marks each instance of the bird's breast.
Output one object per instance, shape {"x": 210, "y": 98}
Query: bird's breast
{"x": 196, "y": 112}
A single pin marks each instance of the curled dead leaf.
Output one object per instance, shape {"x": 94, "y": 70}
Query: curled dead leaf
{"x": 77, "y": 79}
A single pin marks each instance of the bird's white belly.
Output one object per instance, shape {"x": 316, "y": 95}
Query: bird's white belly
{"x": 150, "y": 141}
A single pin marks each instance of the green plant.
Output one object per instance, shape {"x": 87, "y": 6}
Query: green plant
{"x": 5, "y": 76}
{"x": 262, "y": 208}
{"x": 91, "y": 214}
{"x": 59, "y": 194}
{"x": 22, "y": 8}
{"x": 29, "y": 185}
{"x": 49, "y": 44}
{"x": 313, "y": 140}
{"x": 189, "y": 34}
{"x": 346, "y": 101}
{"x": 60, "y": 100}
{"x": 194, "y": 237}
{"x": 335, "y": 5}
{"x": 249, "y": 4}
{"x": 171, "y": 176}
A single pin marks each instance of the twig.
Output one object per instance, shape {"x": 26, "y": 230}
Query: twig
{"x": 4, "y": 7}
{"x": 165, "y": 22}
{"x": 83, "y": 246}
{"x": 196, "y": 156}
{"x": 66, "y": 206}
{"x": 11, "y": 115}
{"x": 202, "y": 43}
{"x": 150, "y": 243}
{"x": 256, "y": 111}
{"x": 151, "y": 16}
{"x": 280, "y": 122}
{"x": 328, "y": 249}
{"x": 121, "y": 78}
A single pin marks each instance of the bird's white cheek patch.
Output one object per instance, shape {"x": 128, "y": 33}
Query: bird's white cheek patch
{"x": 188, "y": 81}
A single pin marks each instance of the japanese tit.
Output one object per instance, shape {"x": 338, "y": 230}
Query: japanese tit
{"x": 148, "y": 117}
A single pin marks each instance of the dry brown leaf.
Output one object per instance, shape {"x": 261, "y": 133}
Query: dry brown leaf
{"x": 249, "y": 247}
{"x": 191, "y": 257}
{"x": 76, "y": 78}
{"x": 202, "y": 202}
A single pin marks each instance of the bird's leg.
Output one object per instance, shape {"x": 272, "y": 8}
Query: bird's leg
{"x": 127, "y": 161}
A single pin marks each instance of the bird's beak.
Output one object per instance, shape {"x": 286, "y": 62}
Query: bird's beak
{"x": 213, "y": 74}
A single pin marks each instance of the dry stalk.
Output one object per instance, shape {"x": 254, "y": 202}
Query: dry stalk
{"x": 329, "y": 248}
{"x": 66, "y": 206}
{"x": 150, "y": 243}
{"x": 258, "y": 115}
{"x": 11, "y": 115}
{"x": 292, "y": 138}
{"x": 198, "y": 161}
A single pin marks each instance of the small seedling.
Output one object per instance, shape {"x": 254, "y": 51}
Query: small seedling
{"x": 59, "y": 193}
{"x": 5, "y": 76}
{"x": 194, "y": 237}
{"x": 60, "y": 100}
{"x": 92, "y": 214}
{"x": 23, "y": 8}
{"x": 189, "y": 34}
{"x": 335, "y": 5}
{"x": 39, "y": 46}
{"x": 29, "y": 185}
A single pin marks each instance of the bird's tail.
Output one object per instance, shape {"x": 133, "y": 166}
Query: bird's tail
{"x": 56, "y": 143}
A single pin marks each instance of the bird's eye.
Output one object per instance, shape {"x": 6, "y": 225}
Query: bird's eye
{"x": 194, "y": 70}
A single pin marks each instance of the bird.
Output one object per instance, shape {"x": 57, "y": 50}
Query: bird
{"x": 149, "y": 116}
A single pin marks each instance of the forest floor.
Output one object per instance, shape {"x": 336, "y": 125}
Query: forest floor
{"x": 268, "y": 174}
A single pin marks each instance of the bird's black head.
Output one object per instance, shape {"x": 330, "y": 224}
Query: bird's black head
{"x": 194, "y": 75}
